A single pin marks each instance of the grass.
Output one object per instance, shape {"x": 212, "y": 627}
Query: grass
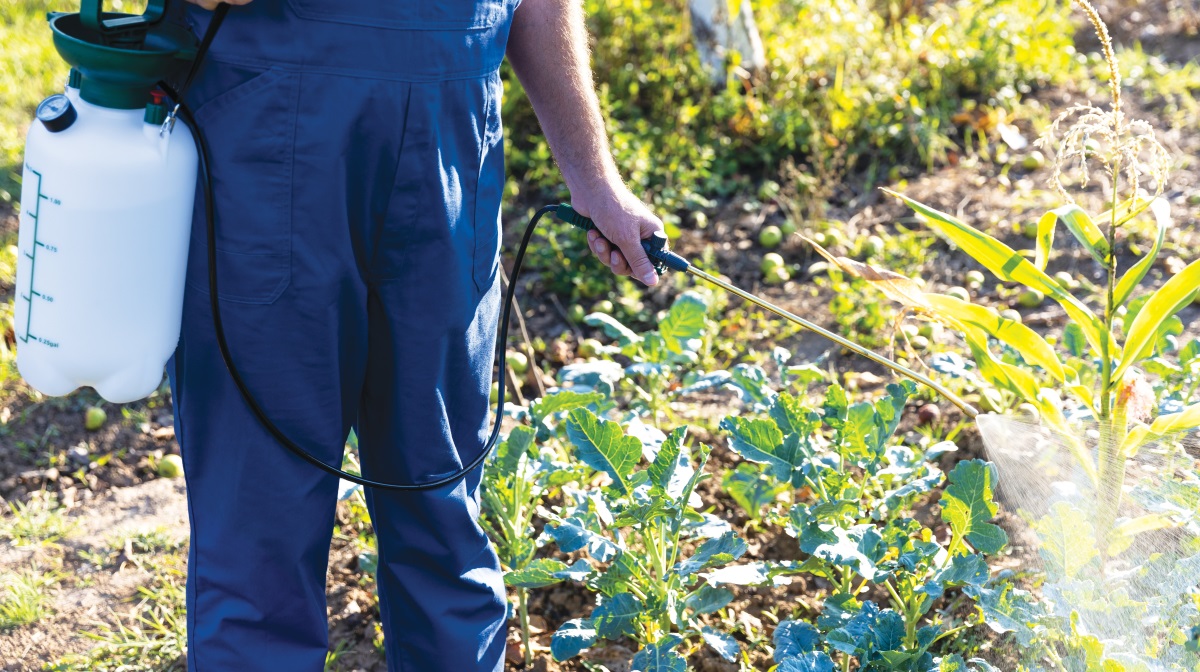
{"x": 150, "y": 637}
{"x": 40, "y": 521}
{"x": 25, "y": 599}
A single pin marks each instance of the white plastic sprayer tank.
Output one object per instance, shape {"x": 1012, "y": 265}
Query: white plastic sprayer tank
{"x": 106, "y": 210}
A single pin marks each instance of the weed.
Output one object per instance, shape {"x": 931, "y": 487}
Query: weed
{"x": 25, "y": 598}
{"x": 39, "y": 521}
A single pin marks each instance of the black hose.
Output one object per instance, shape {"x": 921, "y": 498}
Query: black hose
{"x": 218, "y": 327}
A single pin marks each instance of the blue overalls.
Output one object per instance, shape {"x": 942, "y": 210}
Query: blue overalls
{"x": 358, "y": 169}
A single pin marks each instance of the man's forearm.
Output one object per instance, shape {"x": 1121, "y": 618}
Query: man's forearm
{"x": 548, "y": 50}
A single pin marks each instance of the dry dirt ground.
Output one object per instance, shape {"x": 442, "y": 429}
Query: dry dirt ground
{"x": 107, "y": 479}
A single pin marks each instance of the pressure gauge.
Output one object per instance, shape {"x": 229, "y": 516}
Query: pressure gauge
{"x": 56, "y": 113}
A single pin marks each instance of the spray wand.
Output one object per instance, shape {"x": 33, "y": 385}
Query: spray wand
{"x": 663, "y": 259}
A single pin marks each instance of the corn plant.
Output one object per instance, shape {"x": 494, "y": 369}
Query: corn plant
{"x": 854, "y": 488}
{"x": 1097, "y": 378}
{"x": 1116, "y": 395}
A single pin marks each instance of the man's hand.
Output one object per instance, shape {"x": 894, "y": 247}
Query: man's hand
{"x": 622, "y": 221}
{"x": 548, "y": 49}
{"x": 212, "y": 4}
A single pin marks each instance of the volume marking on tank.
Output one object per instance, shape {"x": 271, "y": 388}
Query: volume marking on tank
{"x": 27, "y": 297}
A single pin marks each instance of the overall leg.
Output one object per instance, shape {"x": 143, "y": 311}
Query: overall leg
{"x": 295, "y": 205}
{"x": 432, "y": 309}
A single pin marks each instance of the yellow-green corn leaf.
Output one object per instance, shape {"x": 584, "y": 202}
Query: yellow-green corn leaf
{"x": 1123, "y": 534}
{"x": 1162, "y": 216}
{"x": 1079, "y": 224}
{"x": 1162, "y": 304}
{"x": 1163, "y": 426}
{"x": 1006, "y": 264}
{"x": 1033, "y": 348}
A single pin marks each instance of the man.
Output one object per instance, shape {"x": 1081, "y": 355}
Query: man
{"x": 358, "y": 171}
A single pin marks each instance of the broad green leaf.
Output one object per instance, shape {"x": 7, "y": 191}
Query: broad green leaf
{"x": 613, "y": 328}
{"x": 660, "y": 656}
{"x": 725, "y": 645}
{"x": 571, "y": 639}
{"x": 755, "y": 439}
{"x": 617, "y": 616}
{"x": 508, "y": 455}
{"x": 1124, "y": 289}
{"x": 719, "y": 551}
{"x": 793, "y": 638}
{"x": 1163, "y": 426}
{"x": 1033, "y": 348}
{"x": 1079, "y": 224}
{"x": 967, "y": 505}
{"x": 1008, "y": 609}
{"x": 1007, "y": 264}
{"x": 538, "y": 574}
{"x": 603, "y": 446}
{"x": 572, "y": 535}
{"x": 671, "y": 468}
{"x": 1168, "y": 300}
{"x": 1068, "y": 541}
{"x": 707, "y": 599}
{"x": 563, "y": 400}
{"x": 684, "y": 323}
{"x": 813, "y": 661}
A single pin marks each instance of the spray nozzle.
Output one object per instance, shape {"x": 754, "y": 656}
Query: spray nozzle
{"x": 655, "y": 246}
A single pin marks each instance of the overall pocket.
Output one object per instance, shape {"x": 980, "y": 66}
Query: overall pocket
{"x": 489, "y": 190}
{"x": 455, "y": 15}
{"x": 249, "y": 127}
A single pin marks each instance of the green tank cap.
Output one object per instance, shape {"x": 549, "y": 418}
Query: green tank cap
{"x": 74, "y": 78}
{"x": 156, "y": 114}
{"x": 120, "y": 57}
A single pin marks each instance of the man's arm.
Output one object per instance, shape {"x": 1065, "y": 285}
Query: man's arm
{"x": 548, "y": 50}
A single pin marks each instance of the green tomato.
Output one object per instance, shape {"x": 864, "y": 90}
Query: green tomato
{"x": 1066, "y": 280}
{"x": 919, "y": 342}
{"x": 699, "y": 219}
{"x": 1033, "y": 160}
{"x": 928, "y": 329}
{"x": 975, "y": 279}
{"x": 94, "y": 418}
{"x": 1029, "y": 230}
{"x": 873, "y": 246}
{"x": 1010, "y": 314}
{"x": 959, "y": 293}
{"x": 589, "y": 347}
{"x": 770, "y": 236}
{"x": 910, "y": 330}
{"x": 777, "y": 276}
{"x": 170, "y": 466}
{"x": 1031, "y": 298}
{"x": 771, "y": 260}
{"x": 1194, "y": 199}
{"x": 494, "y": 396}
{"x": 517, "y": 361}
{"x": 605, "y": 306}
{"x": 576, "y": 313}
{"x": 788, "y": 227}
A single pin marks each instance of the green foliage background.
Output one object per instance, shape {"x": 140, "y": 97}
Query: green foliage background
{"x": 864, "y": 79}
{"x": 869, "y": 80}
